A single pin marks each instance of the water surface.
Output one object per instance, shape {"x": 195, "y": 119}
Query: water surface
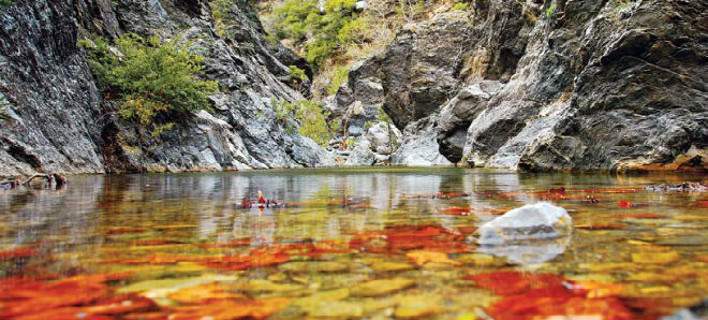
{"x": 359, "y": 243}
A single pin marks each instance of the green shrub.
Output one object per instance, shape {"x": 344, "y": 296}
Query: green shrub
{"x": 550, "y": 10}
{"x": 155, "y": 81}
{"x": 340, "y": 76}
{"x": 352, "y": 30}
{"x": 310, "y": 117}
{"x": 297, "y": 73}
{"x": 461, "y": 6}
{"x": 6, "y": 3}
{"x": 320, "y": 34}
{"x": 219, "y": 10}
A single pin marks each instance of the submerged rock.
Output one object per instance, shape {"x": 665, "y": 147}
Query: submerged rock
{"x": 529, "y": 253}
{"x": 681, "y": 187}
{"x": 530, "y": 222}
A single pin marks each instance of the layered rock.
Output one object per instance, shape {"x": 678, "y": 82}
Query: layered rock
{"x": 552, "y": 85}
{"x": 60, "y": 121}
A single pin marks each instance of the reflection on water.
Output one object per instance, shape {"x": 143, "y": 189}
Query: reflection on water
{"x": 359, "y": 225}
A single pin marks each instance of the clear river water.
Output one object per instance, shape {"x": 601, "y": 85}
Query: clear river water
{"x": 342, "y": 244}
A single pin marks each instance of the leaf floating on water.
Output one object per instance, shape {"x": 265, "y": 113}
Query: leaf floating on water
{"x": 546, "y": 296}
{"x": 124, "y": 230}
{"x": 601, "y": 226}
{"x": 403, "y": 238}
{"x": 541, "y": 306}
{"x": 423, "y": 257}
{"x": 624, "y": 204}
{"x": 313, "y": 266}
{"x": 64, "y": 299}
{"x": 418, "y": 306}
{"x": 332, "y": 309}
{"x": 381, "y": 287}
{"x": 229, "y": 309}
{"x": 456, "y": 211}
{"x": 262, "y": 285}
{"x": 482, "y": 260}
{"x": 156, "y": 242}
{"x": 661, "y": 258}
{"x": 450, "y": 195}
{"x": 645, "y": 215}
{"x": 17, "y": 253}
{"x": 203, "y": 293}
{"x": 512, "y": 282}
{"x": 387, "y": 266}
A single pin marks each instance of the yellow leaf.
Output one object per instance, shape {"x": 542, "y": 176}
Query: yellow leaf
{"x": 423, "y": 257}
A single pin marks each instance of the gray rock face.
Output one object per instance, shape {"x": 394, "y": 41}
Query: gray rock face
{"x": 570, "y": 85}
{"x": 418, "y": 72}
{"x": 61, "y": 123}
{"x": 419, "y": 146}
{"x": 457, "y": 115}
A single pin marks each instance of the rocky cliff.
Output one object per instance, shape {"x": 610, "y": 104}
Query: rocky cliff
{"x": 60, "y": 122}
{"x": 531, "y": 85}
{"x": 547, "y": 85}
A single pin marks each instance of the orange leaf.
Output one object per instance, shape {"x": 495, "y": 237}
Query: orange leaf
{"x": 228, "y": 309}
{"x": 512, "y": 282}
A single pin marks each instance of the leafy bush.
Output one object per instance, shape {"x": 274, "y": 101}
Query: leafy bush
{"x": 155, "y": 81}
{"x": 320, "y": 33}
{"x": 550, "y": 10}
{"x": 339, "y": 77}
{"x": 461, "y": 6}
{"x": 219, "y": 8}
{"x": 310, "y": 117}
{"x": 6, "y": 3}
{"x": 297, "y": 73}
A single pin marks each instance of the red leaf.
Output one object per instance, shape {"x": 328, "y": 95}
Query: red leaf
{"x": 512, "y": 282}
{"x": 456, "y": 211}
{"x": 16, "y": 253}
{"x": 625, "y": 204}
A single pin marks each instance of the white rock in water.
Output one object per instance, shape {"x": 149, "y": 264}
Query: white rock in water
{"x": 534, "y": 221}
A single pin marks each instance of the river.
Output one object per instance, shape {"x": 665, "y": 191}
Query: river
{"x": 348, "y": 243}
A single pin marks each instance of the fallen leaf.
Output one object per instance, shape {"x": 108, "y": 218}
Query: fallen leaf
{"x": 625, "y": 204}
{"x": 229, "y": 309}
{"x": 386, "y": 266}
{"x": 381, "y": 287}
{"x": 601, "y": 226}
{"x": 645, "y": 215}
{"x": 17, "y": 253}
{"x": 662, "y": 258}
{"x": 203, "y": 293}
{"x": 512, "y": 282}
{"x": 418, "y": 306}
{"x": 456, "y": 211}
{"x": 423, "y": 257}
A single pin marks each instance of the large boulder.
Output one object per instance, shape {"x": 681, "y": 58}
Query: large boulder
{"x": 531, "y": 222}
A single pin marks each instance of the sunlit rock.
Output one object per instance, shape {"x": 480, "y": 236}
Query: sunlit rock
{"x": 538, "y": 221}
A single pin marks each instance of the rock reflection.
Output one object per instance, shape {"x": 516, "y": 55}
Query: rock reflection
{"x": 529, "y": 253}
